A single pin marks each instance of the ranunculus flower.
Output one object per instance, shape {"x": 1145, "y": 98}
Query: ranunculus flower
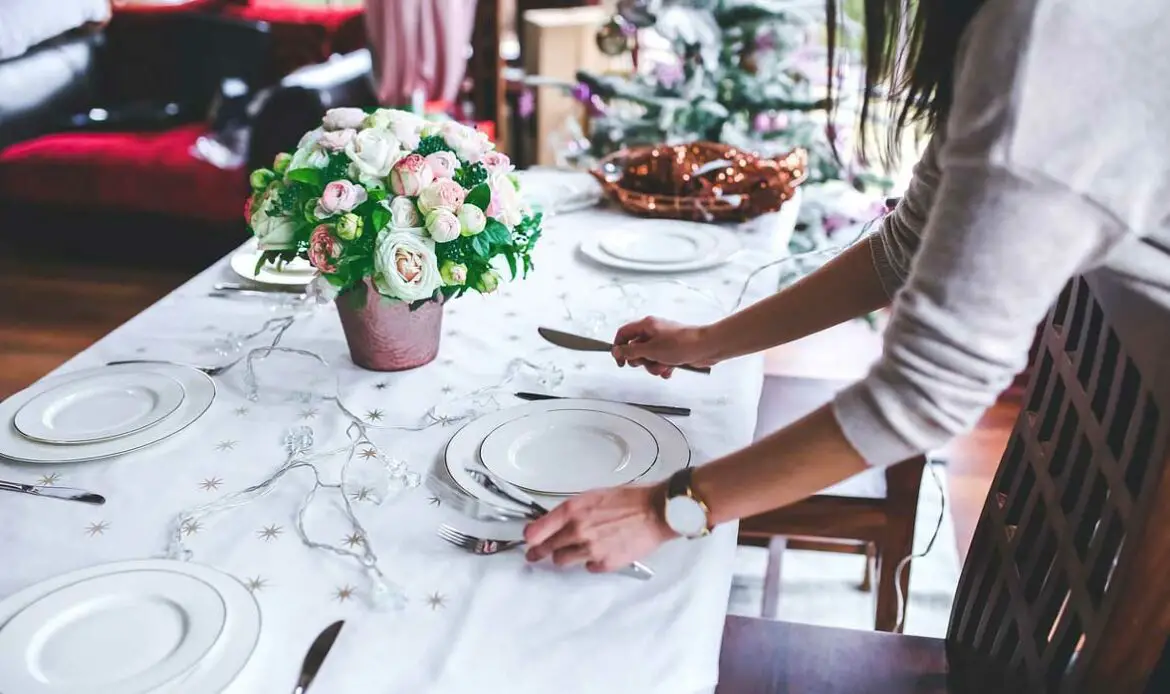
{"x": 349, "y": 227}
{"x": 343, "y": 118}
{"x": 472, "y": 220}
{"x": 443, "y": 164}
{"x": 405, "y": 266}
{"x": 281, "y": 162}
{"x": 505, "y": 204}
{"x": 324, "y": 249}
{"x": 454, "y": 274}
{"x": 374, "y": 153}
{"x": 443, "y": 225}
{"x": 410, "y": 175}
{"x": 443, "y": 194}
{"x": 336, "y": 140}
{"x": 469, "y": 144}
{"x": 403, "y": 213}
{"x": 339, "y": 196}
{"x": 274, "y": 232}
{"x": 497, "y": 162}
{"x": 488, "y": 282}
{"x": 404, "y": 125}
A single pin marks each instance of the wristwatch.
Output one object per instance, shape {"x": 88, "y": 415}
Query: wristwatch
{"x": 685, "y": 512}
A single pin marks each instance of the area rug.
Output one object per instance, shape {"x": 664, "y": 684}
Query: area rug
{"x": 824, "y": 588}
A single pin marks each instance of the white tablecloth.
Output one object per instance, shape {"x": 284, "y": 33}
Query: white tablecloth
{"x": 471, "y": 624}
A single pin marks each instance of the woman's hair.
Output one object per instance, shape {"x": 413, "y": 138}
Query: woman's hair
{"x": 910, "y": 48}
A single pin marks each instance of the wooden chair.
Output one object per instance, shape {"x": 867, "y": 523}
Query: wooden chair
{"x": 873, "y": 514}
{"x": 1065, "y": 586}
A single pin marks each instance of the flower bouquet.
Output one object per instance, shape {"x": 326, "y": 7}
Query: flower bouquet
{"x": 397, "y": 214}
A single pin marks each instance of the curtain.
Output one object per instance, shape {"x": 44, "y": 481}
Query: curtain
{"x": 419, "y": 45}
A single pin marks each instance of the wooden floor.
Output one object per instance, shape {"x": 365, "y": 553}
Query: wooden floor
{"x": 53, "y": 310}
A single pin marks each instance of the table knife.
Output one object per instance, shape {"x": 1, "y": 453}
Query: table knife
{"x": 316, "y": 655}
{"x": 581, "y": 343}
{"x": 260, "y": 288}
{"x": 658, "y": 409}
{"x": 65, "y": 493}
{"x": 511, "y": 492}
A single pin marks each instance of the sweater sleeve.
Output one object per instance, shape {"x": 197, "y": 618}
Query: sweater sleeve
{"x": 896, "y": 241}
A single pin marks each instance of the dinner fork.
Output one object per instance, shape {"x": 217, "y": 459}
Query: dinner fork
{"x": 209, "y": 370}
{"x": 485, "y": 546}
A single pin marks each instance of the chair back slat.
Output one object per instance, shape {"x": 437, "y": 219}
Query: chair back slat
{"x": 1065, "y": 588}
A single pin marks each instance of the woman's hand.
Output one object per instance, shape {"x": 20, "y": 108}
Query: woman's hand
{"x": 605, "y": 529}
{"x": 660, "y": 345}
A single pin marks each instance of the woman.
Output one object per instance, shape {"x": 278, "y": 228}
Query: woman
{"x": 1049, "y": 157}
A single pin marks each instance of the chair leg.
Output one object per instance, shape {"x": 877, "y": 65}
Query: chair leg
{"x": 897, "y": 545}
{"x": 771, "y": 606}
{"x": 870, "y": 559}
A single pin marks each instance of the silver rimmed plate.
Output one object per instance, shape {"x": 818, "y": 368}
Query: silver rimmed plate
{"x": 563, "y": 452}
{"x": 100, "y": 407}
{"x": 463, "y": 451}
{"x": 198, "y": 387}
{"x": 294, "y": 272}
{"x": 662, "y": 246}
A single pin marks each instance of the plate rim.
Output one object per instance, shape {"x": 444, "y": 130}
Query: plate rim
{"x": 727, "y": 246}
{"x": 711, "y": 239}
{"x": 250, "y": 251}
{"x": 114, "y": 688}
{"x": 100, "y": 439}
{"x": 653, "y": 461}
{"x": 7, "y": 431}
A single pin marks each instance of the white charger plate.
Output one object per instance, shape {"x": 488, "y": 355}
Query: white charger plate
{"x": 462, "y": 452}
{"x": 200, "y": 393}
{"x": 123, "y": 633}
{"x": 295, "y": 272}
{"x": 717, "y": 246}
{"x": 562, "y": 452}
{"x": 100, "y": 407}
{"x": 227, "y": 656}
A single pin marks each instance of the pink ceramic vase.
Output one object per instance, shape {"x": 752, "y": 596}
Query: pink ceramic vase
{"x": 385, "y": 335}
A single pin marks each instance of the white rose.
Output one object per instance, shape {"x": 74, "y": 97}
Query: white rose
{"x": 506, "y": 205}
{"x": 404, "y": 125}
{"x": 343, "y": 118}
{"x": 273, "y": 232}
{"x": 405, "y": 266}
{"x": 311, "y": 156}
{"x": 310, "y": 138}
{"x": 403, "y": 213}
{"x": 469, "y": 144}
{"x": 336, "y": 140}
{"x": 472, "y": 220}
{"x": 374, "y": 153}
{"x": 443, "y": 226}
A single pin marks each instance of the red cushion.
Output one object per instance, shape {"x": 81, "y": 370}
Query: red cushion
{"x": 128, "y": 172}
{"x": 285, "y": 12}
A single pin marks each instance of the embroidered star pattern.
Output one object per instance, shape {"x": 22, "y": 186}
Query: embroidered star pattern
{"x": 447, "y": 390}
{"x": 434, "y": 501}
{"x": 140, "y": 350}
{"x": 381, "y": 385}
{"x": 362, "y": 494}
{"x": 510, "y": 314}
{"x": 375, "y": 415}
{"x": 49, "y": 480}
{"x": 191, "y": 526}
{"x": 309, "y": 413}
{"x": 368, "y": 453}
{"x": 344, "y": 593}
{"x": 210, "y": 484}
{"x": 513, "y": 338}
{"x": 241, "y": 411}
{"x": 226, "y": 445}
{"x": 354, "y": 539}
{"x": 255, "y": 584}
{"x": 436, "y": 601}
{"x": 580, "y": 366}
{"x": 270, "y": 532}
{"x": 98, "y": 528}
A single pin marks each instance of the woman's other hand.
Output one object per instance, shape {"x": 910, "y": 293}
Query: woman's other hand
{"x": 659, "y": 345}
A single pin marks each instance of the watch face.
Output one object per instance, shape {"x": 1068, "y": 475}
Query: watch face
{"x": 685, "y": 516}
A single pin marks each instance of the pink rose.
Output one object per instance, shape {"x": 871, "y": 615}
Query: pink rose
{"x": 324, "y": 249}
{"x": 443, "y": 164}
{"x": 248, "y": 209}
{"x": 339, "y": 197}
{"x": 336, "y": 140}
{"x": 443, "y": 194}
{"x": 497, "y": 162}
{"x": 410, "y": 175}
{"x": 443, "y": 225}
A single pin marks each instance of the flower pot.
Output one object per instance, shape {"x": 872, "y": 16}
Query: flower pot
{"x": 385, "y": 335}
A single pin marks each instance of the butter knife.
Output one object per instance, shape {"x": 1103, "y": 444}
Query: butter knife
{"x": 64, "y": 493}
{"x": 657, "y": 409}
{"x": 316, "y": 655}
{"x": 511, "y": 492}
{"x": 581, "y": 343}
{"x": 260, "y": 288}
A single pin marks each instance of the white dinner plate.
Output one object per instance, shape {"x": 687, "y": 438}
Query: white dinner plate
{"x": 199, "y": 389}
{"x": 635, "y": 248}
{"x": 100, "y": 407}
{"x": 122, "y": 633}
{"x": 563, "y": 452}
{"x": 295, "y": 272}
{"x": 674, "y": 453}
{"x": 670, "y": 244}
{"x": 218, "y": 667}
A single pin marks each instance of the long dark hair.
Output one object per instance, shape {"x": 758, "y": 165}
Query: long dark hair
{"x": 910, "y": 49}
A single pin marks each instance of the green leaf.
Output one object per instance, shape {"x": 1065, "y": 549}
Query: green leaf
{"x": 481, "y": 244}
{"x": 377, "y": 194}
{"x": 480, "y": 196}
{"x": 511, "y": 256}
{"x": 497, "y": 233}
{"x": 379, "y": 218}
{"x": 311, "y": 176}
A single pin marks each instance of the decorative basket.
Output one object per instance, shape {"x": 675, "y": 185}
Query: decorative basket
{"x": 700, "y": 181}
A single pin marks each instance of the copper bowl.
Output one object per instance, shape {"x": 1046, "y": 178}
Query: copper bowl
{"x": 700, "y": 181}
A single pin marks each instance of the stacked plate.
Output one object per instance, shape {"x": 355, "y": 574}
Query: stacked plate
{"x": 102, "y": 412}
{"x": 662, "y": 246}
{"x": 128, "y": 628}
{"x": 557, "y": 448}
{"x": 293, "y": 273}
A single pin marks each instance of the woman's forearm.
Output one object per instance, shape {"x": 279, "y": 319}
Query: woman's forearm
{"x": 844, "y": 288}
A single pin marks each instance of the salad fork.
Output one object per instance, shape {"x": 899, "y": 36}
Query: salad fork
{"x": 476, "y": 545}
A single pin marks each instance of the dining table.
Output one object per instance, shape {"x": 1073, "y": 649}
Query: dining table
{"x": 455, "y": 622}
